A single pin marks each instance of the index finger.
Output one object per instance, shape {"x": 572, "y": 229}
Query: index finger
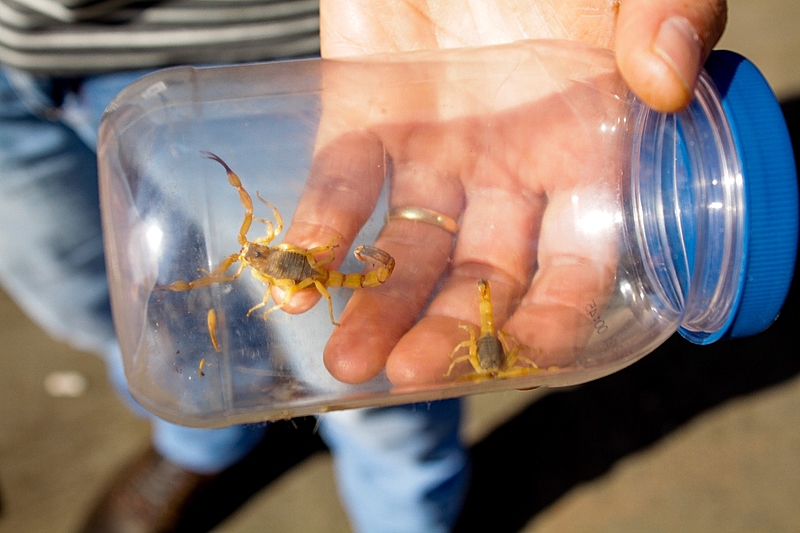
{"x": 339, "y": 197}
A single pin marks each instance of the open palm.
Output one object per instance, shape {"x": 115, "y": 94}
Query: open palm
{"x": 525, "y": 163}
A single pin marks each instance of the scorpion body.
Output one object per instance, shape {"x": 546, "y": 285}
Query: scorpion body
{"x": 287, "y": 262}
{"x": 491, "y": 353}
{"x": 286, "y": 266}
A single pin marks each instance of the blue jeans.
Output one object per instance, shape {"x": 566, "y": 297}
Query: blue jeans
{"x": 399, "y": 468}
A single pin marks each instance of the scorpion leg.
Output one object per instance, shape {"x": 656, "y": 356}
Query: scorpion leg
{"x": 311, "y": 252}
{"x": 512, "y": 354}
{"x": 320, "y": 288}
{"x": 216, "y": 276}
{"x": 290, "y": 288}
{"x": 271, "y": 232}
{"x": 324, "y": 292}
{"x": 268, "y": 311}
{"x": 471, "y": 356}
{"x": 467, "y": 357}
{"x": 264, "y": 301}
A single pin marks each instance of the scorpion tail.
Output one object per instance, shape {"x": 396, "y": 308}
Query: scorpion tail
{"x": 372, "y": 278}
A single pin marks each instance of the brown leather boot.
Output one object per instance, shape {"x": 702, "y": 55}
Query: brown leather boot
{"x": 149, "y": 497}
{"x": 153, "y": 495}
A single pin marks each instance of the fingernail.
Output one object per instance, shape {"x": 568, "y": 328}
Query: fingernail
{"x": 678, "y": 44}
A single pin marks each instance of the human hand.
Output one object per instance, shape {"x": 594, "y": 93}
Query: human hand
{"x": 517, "y": 205}
{"x": 526, "y": 157}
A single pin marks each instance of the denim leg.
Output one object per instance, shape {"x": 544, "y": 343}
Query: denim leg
{"x": 51, "y": 249}
{"x": 399, "y": 469}
{"x": 205, "y": 451}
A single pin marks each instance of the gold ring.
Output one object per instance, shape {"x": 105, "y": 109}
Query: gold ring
{"x": 428, "y": 216}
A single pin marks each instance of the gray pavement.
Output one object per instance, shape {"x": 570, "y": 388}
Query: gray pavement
{"x": 702, "y": 439}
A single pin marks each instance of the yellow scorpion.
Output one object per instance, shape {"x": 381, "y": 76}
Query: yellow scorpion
{"x": 286, "y": 266}
{"x": 490, "y": 354}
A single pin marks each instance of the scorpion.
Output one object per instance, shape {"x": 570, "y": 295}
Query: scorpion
{"x": 285, "y": 266}
{"x": 491, "y": 354}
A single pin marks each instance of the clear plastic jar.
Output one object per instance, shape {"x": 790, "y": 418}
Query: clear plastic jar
{"x": 602, "y": 226}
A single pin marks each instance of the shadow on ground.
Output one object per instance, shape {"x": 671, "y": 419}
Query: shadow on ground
{"x": 578, "y": 435}
{"x": 292, "y": 441}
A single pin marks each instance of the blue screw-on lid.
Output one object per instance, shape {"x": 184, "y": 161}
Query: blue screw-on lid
{"x": 770, "y": 191}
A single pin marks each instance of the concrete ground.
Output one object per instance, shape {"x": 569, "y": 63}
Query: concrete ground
{"x": 688, "y": 439}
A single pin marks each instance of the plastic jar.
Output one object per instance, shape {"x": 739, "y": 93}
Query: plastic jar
{"x": 634, "y": 224}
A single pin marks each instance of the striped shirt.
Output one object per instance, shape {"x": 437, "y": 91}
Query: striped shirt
{"x": 71, "y": 37}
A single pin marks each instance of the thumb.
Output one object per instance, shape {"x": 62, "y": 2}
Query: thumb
{"x": 661, "y": 46}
